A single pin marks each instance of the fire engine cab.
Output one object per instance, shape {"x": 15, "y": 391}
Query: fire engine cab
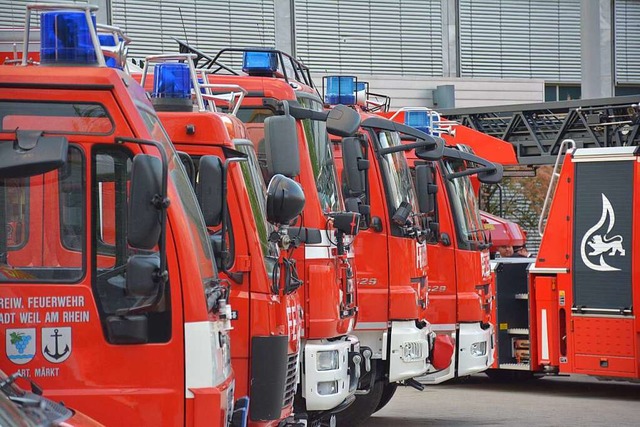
{"x": 110, "y": 294}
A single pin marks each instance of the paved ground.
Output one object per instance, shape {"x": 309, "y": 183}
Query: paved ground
{"x": 478, "y": 401}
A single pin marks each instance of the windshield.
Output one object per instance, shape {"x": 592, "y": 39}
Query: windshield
{"x": 464, "y": 202}
{"x": 397, "y": 174}
{"x": 320, "y": 152}
{"x": 257, "y": 192}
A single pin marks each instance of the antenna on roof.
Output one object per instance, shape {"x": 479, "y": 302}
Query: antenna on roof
{"x": 184, "y": 28}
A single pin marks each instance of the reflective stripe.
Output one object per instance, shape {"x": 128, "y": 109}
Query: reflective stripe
{"x": 545, "y": 336}
{"x": 202, "y": 356}
{"x": 547, "y": 270}
{"x": 317, "y": 252}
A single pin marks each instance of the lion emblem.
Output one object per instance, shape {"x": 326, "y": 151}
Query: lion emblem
{"x": 599, "y": 245}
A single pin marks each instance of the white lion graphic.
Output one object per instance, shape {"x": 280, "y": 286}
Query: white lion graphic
{"x": 600, "y": 245}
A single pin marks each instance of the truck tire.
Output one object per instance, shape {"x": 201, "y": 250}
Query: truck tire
{"x": 363, "y": 407}
{"x": 387, "y": 393}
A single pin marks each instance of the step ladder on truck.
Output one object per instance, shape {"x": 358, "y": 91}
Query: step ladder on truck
{"x": 390, "y": 254}
{"x": 572, "y": 311}
{"x": 107, "y": 261}
{"x": 331, "y": 360}
{"x": 249, "y": 234}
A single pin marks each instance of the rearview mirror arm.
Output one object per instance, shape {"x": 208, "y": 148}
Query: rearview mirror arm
{"x": 407, "y": 147}
{"x": 471, "y": 171}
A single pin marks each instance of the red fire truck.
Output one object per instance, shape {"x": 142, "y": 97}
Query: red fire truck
{"x": 390, "y": 254}
{"x": 572, "y": 308}
{"x": 331, "y": 360}
{"x": 461, "y": 289}
{"x": 264, "y": 293}
{"x": 110, "y": 296}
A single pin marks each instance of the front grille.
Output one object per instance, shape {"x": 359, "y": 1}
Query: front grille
{"x": 290, "y": 384}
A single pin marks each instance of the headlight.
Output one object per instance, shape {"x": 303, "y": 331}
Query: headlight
{"x": 479, "y": 348}
{"x": 328, "y": 360}
{"x": 327, "y": 387}
{"x": 412, "y": 351}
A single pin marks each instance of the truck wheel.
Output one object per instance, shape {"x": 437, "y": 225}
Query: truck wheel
{"x": 363, "y": 407}
{"x": 387, "y": 393}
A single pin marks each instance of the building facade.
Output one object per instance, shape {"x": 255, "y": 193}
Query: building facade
{"x": 492, "y": 51}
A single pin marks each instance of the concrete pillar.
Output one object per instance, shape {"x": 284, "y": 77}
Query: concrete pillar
{"x": 285, "y": 26}
{"x": 597, "y": 52}
{"x": 450, "y": 38}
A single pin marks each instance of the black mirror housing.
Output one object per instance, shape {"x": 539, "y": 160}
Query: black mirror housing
{"x": 354, "y": 165}
{"x": 401, "y": 214}
{"x": 32, "y": 154}
{"x": 142, "y": 275}
{"x": 492, "y": 177}
{"x": 343, "y": 121}
{"x": 285, "y": 200}
{"x": 347, "y": 222}
{"x": 431, "y": 152}
{"x": 143, "y": 224}
{"x": 425, "y": 188}
{"x": 281, "y": 146}
{"x": 209, "y": 189}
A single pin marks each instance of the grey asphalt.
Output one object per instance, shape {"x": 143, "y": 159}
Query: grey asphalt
{"x": 550, "y": 401}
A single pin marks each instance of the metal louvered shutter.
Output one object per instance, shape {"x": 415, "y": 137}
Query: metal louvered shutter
{"x": 627, "y": 41}
{"x": 400, "y": 37}
{"x": 209, "y": 25}
{"x": 515, "y": 38}
{"x": 12, "y": 12}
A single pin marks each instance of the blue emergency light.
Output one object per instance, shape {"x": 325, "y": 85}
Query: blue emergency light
{"x": 340, "y": 90}
{"x": 66, "y": 38}
{"x": 259, "y": 62}
{"x": 109, "y": 40}
{"x": 172, "y": 80}
{"x": 420, "y": 120}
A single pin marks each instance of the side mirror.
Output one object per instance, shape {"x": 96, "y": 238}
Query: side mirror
{"x": 343, "y": 121}
{"x": 209, "y": 189}
{"x": 431, "y": 153}
{"x": 32, "y": 154}
{"x": 401, "y": 214}
{"x": 281, "y": 146}
{"x": 492, "y": 177}
{"x": 347, "y": 222}
{"x": 143, "y": 223}
{"x": 285, "y": 200}
{"x": 354, "y": 166}
{"x": 425, "y": 188}
{"x": 141, "y": 277}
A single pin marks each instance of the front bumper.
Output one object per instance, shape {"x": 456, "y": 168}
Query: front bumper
{"x": 408, "y": 350}
{"x": 471, "y": 342}
{"x": 326, "y": 389}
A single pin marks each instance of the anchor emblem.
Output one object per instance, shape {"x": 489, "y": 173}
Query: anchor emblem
{"x": 56, "y": 344}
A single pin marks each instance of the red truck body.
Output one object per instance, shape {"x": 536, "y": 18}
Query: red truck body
{"x": 73, "y": 321}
